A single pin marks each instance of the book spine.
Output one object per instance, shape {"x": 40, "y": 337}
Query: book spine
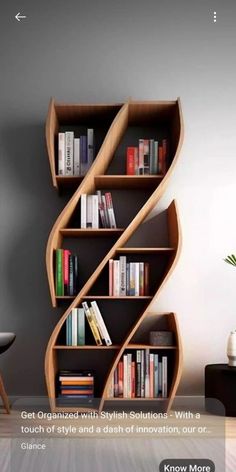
{"x": 127, "y": 278}
{"x": 61, "y": 154}
{"x": 160, "y": 378}
{"x": 71, "y": 275}
{"x": 105, "y": 211}
{"x": 133, "y": 380}
{"x": 95, "y": 222}
{"x": 83, "y": 210}
{"x": 125, "y": 385}
{"x": 122, "y": 275}
{"x": 156, "y": 157}
{"x": 75, "y": 275}
{"x": 141, "y": 279}
{"x": 142, "y": 374}
{"x": 136, "y": 161}
{"x": 141, "y": 156}
{"x": 66, "y": 271}
{"x": 77, "y": 156}
{"x": 160, "y": 160}
{"x": 92, "y": 324}
{"x": 120, "y": 379}
{"x": 90, "y": 146}
{"x": 155, "y": 375}
{"x": 136, "y": 282}
{"x": 59, "y": 273}
{"x": 83, "y": 155}
{"x": 69, "y": 138}
{"x": 129, "y": 387}
{"x": 116, "y": 278}
{"x": 138, "y": 374}
{"x": 101, "y": 324}
{"x": 116, "y": 383}
{"x": 130, "y": 161}
{"x": 69, "y": 330}
{"x": 164, "y": 376}
{"x": 146, "y": 278}
{"x": 147, "y": 374}
{"x": 146, "y": 157}
{"x": 89, "y": 216}
{"x": 101, "y": 209}
{"x": 132, "y": 279}
{"x": 165, "y": 154}
{"x": 151, "y": 367}
{"x": 110, "y": 209}
{"x": 74, "y": 326}
{"x": 110, "y": 277}
{"x": 152, "y": 156}
{"x": 81, "y": 327}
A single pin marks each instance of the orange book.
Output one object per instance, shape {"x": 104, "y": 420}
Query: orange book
{"x": 75, "y": 382}
{"x": 76, "y": 392}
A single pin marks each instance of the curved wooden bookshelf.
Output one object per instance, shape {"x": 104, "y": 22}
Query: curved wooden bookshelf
{"x": 107, "y": 172}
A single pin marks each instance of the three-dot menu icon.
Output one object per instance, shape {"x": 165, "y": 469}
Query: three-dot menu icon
{"x": 214, "y": 16}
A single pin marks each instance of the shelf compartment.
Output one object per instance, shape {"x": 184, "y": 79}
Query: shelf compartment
{"x": 127, "y": 181}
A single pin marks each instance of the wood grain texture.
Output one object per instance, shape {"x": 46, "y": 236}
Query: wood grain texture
{"x": 4, "y": 396}
{"x": 128, "y": 114}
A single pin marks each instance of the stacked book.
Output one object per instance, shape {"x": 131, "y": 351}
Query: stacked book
{"x": 67, "y": 275}
{"x": 96, "y": 323}
{"x": 97, "y": 211}
{"x": 149, "y": 157}
{"x": 128, "y": 278}
{"x": 140, "y": 375}
{"x": 75, "y": 385}
{"x": 75, "y": 154}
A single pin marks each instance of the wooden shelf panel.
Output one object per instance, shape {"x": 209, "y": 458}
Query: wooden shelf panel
{"x": 101, "y": 232}
{"x": 114, "y": 347}
{"x": 144, "y": 250}
{"x": 127, "y": 181}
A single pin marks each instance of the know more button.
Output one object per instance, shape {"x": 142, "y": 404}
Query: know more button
{"x": 187, "y": 465}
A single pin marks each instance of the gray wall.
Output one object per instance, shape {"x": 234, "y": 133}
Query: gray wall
{"x": 108, "y": 51}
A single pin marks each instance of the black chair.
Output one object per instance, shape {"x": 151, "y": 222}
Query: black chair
{"x": 6, "y": 340}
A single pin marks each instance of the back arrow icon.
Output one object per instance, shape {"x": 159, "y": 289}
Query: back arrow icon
{"x": 19, "y": 17}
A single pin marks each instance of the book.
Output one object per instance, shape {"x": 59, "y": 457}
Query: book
{"x": 147, "y": 374}
{"x": 110, "y": 210}
{"x": 146, "y": 157}
{"x": 89, "y": 212}
{"x": 81, "y": 327}
{"x": 69, "y": 151}
{"x": 92, "y": 324}
{"x": 151, "y": 370}
{"x": 102, "y": 327}
{"x": 75, "y": 275}
{"x": 83, "y": 210}
{"x": 132, "y": 161}
{"x": 141, "y": 279}
{"x": 156, "y": 157}
{"x": 90, "y": 147}
{"x": 141, "y": 156}
{"x": 122, "y": 267}
{"x": 155, "y": 375}
{"x": 152, "y": 156}
{"x": 138, "y": 374}
{"x": 59, "y": 273}
{"x": 83, "y": 155}
{"x": 132, "y": 279}
{"x": 165, "y": 155}
{"x": 76, "y": 156}
{"x": 146, "y": 278}
{"x": 160, "y": 160}
{"x": 69, "y": 330}
{"x": 105, "y": 211}
{"x": 95, "y": 222}
{"x": 125, "y": 381}
{"x": 120, "y": 378}
{"x": 101, "y": 209}
{"x": 71, "y": 275}
{"x": 66, "y": 255}
{"x": 116, "y": 278}
{"x": 136, "y": 279}
{"x": 111, "y": 277}
{"x": 74, "y": 326}
{"x": 164, "y": 376}
{"x": 61, "y": 154}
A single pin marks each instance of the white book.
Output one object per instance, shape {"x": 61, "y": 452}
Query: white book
{"x": 101, "y": 324}
{"x": 89, "y": 218}
{"x": 129, "y": 375}
{"x": 76, "y": 156}
{"x": 116, "y": 278}
{"x": 164, "y": 376}
{"x": 90, "y": 144}
{"x": 105, "y": 211}
{"x": 122, "y": 275}
{"x": 125, "y": 380}
{"x": 61, "y": 154}
{"x": 83, "y": 210}
{"x": 111, "y": 277}
{"x": 95, "y": 221}
{"x": 69, "y": 153}
{"x": 74, "y": 326}
{"x": 136, "y": 279}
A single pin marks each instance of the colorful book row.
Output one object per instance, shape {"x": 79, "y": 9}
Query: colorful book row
{"x": 149, "y": 157}
{"x": 128, "y": 278}
{"x": 140, "y": 375}
{"x": 67, "y": 275}
{"x": 75, "y": 154}
{"x": 97, "y": 211}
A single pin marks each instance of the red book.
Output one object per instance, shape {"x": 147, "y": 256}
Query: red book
{"x": 146, "y": 278}
{"x": 130, "y": 161}
{"x": 133, "y": 380}
{"x": 160, "y": 160}
{"x": 66, "y": 254}
{"x": 120, "y": 379}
